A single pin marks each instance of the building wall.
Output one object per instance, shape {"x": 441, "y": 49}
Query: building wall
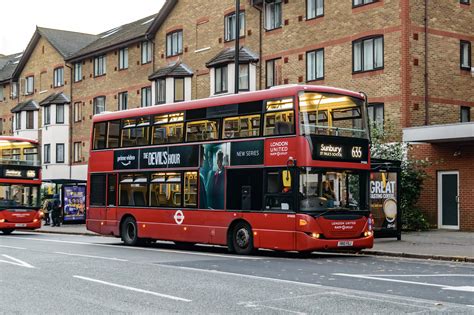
{"x": 6, "y": 117}
{"x": 115, "y": 81}
{"x": 441, "y": 157}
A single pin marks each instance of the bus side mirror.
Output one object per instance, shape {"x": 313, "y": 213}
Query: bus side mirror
{"x": 286, "y": 178}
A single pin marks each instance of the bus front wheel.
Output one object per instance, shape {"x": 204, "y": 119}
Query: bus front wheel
{"x": 242, "y": 239}
{"x": 7, "y": 231}
{"x": 129, "y": 232}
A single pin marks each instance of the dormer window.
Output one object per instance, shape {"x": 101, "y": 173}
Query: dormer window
{"x": 174, "y": 43}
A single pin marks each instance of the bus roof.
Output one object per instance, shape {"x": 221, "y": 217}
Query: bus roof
{"x": 17, "y": 139}
{"x": 275, "y": 92}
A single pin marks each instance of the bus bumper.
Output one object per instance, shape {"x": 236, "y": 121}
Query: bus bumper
{"x": 21, "y": 226}
{"x": 305, "y": 242}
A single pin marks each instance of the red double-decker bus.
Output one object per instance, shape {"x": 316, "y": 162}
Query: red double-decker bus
{"x": 284, "y": 169}
{"x": 20, "y": 183}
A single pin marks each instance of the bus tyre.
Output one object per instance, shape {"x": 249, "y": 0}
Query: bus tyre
{"x": 7, "y": 231}
{"x": 129, "y": 232}
{"x": 242, "y": 239}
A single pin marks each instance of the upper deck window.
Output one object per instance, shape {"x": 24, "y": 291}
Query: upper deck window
{"x": 135, "y": 132}
{"x": 168, "y": 128}
{"x": 202, "y": 130}
{"x": 332, "y": 114}
{"x": 280, "y": 118}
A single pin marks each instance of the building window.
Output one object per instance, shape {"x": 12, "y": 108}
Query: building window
{"x": 14, "y": 89}
{"x": 99, "y": 104}
{"x": 465, "y": 114}
{"x": 146, "y": 96}
{"x": 29, "y": 85}
{"x": 272, "y": 72}
{"x": 244, "y": 77}
{"x": 465, "y": 55}
{"x": 123, "y": 101}
{"x": 60, "y": 153}
{"x": 178, "y": 89}
{"x": 18, "y": 121}
{"x": 77, "y": 72}
{"x": 58, "y": 77}
{"x": 123, "y": 59}
{"x": 47, "y": 115}
{"x": 174, "y": 43}
{"x": 30, "y": 120}
{"x": 1, "y": 94}
{"x": 160, "y": 91}
{"x": 221, "y": 79}
{"x": 99, "y": 66}
{"x": 358, "y": 3}
{"x": 229, "y": 26}
{"x": 77, "y": 111}
{"x": 146, "y": 52}
{"x": 47, "y": 153}
{"x": 273, "y": 14}
{"x": 315, "y": 65}
{"x": 60, "y": 114}
{"x": 367, "y": 54}
{"x": 376, "y": 114}
{"x": 77, "y": 151}
{"x": 314, "y": 9}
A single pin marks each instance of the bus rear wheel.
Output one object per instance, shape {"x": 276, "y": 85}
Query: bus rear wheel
{"x": 242, "y": 239}
{"x": 7, "y": 231}
{"x": 129, "y": 232}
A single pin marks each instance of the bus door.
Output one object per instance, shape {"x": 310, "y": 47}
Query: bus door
{"x": 111, "y": 204}
{"x": 279, "y": 209}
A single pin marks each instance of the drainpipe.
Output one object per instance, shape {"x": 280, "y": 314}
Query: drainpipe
{"x": 71, "y": 111}
{"x": 260, "y": 47}
{"x": 237, "y": 46}
{"x": 427, "y": 116}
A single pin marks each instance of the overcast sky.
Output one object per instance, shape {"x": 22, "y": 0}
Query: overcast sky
{"x": 18, "y": 18}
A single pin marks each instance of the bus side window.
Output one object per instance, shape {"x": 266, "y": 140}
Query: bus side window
{"x": 100, "y": 130}
{"x": 279, "y": 123}
{"x": 113, "y": 134}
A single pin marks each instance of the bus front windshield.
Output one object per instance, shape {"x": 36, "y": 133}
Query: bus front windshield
{"x": 322, "y": 190}
{"x": 332, "y": 115}
{"x": 18, "y": 196}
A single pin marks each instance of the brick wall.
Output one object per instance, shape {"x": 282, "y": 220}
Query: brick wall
{"x": 5, "y": 115}
{"x": 442, "y": 158}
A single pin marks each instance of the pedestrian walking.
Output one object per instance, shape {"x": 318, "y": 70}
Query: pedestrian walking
{"x": 47, "y": 211}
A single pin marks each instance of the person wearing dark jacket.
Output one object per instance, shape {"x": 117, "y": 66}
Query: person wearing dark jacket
{"x": 56, "y": 211}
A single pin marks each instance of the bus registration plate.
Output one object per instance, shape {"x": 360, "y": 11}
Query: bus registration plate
{"x": 20, "y": 225}
{"x": 344, "y": 243}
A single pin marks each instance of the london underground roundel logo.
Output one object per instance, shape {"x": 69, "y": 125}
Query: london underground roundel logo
{"x": 179, "y": 217}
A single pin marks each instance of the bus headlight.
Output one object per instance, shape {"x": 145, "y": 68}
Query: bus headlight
{"x": 2, "y": 220}
{"x": 315, "y": 235}
{"x": 368, "y": 233}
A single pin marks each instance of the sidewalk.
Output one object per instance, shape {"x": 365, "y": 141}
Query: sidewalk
{"x": 434, "y": 244}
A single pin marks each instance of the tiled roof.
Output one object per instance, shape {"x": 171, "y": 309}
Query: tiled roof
{"x": 55, "y": 98}
{"x": 65, "y": 42}
{"x": 118, "y": 36}
{"x": 8, "y": 65}
{"x": 177, "y": 69}
{"x": 29, "y": 105}
{"x": 228, "y": 56}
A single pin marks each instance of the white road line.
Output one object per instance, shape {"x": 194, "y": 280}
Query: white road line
{"x": 433, "y": 275}
{"x": 442, "y": 286}
{"x": 5, "y": 246}
{"x": 90, "y": 256}
{"x": 241, "y": 275}
{"x": 140, "y": 248}
{"x": 171, "y": 297}
{"x": 16, "y": 262}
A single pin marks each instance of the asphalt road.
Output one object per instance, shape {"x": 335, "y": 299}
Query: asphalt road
{"x": 42, "y": 273}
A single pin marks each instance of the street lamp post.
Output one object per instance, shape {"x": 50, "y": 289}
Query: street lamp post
{"x": 237, "y": 44}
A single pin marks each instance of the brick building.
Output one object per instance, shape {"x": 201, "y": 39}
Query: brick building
{"x": 185, "y": 51}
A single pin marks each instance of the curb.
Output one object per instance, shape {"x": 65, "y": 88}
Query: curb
{"x": 68, "y": 233}
{"x": 418, "y": 256}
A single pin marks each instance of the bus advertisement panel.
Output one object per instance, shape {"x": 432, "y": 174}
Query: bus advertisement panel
{"x": 284, "y": 169}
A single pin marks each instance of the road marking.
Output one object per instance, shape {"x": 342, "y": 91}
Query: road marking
{"x": 12, "y": 247}
{"x": 138, "y": 248}
{"x": 16, "y": 262}
{"x": 241, "y": 275}
{"x": 90, "y": 256}
{"x": 171, "y": 297}
{"x": 434, "y": 275}
{"x": 442, "y": 286}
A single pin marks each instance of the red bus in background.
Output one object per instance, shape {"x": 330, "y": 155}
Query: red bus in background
{"x": 284, "y": 169}
{"x": 20, "y": 183}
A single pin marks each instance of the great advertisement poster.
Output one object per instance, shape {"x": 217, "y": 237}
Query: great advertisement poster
{"x": 383, "y": 200}
{"x": 74, "y": 203}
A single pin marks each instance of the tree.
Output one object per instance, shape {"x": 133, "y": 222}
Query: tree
{"x": 412, "y": 176}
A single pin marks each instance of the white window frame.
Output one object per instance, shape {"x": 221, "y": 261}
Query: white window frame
{"x": 100, "y": 65}
{"x": 123, "y": 100}
{"x": 123, "y": 58}
{"x": 58, "y": 77}
{"x": 315, "y": 65}
{"x": 29, "y": 85}
{"x": 229, "y": 26}
{"x": 77, "y": 72}
{"x": 368, "y": 54}
{"x": 146, "y": 52}
{"x": 96, "y": 104}
{"x": 314, "y": 9}
{"x": 273, "y": 15}
{"x": 465, "y": 55}
{"x": 174, "y": 43}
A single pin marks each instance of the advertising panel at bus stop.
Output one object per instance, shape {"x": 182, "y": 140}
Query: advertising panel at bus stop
{"x": 74, "y": 203}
